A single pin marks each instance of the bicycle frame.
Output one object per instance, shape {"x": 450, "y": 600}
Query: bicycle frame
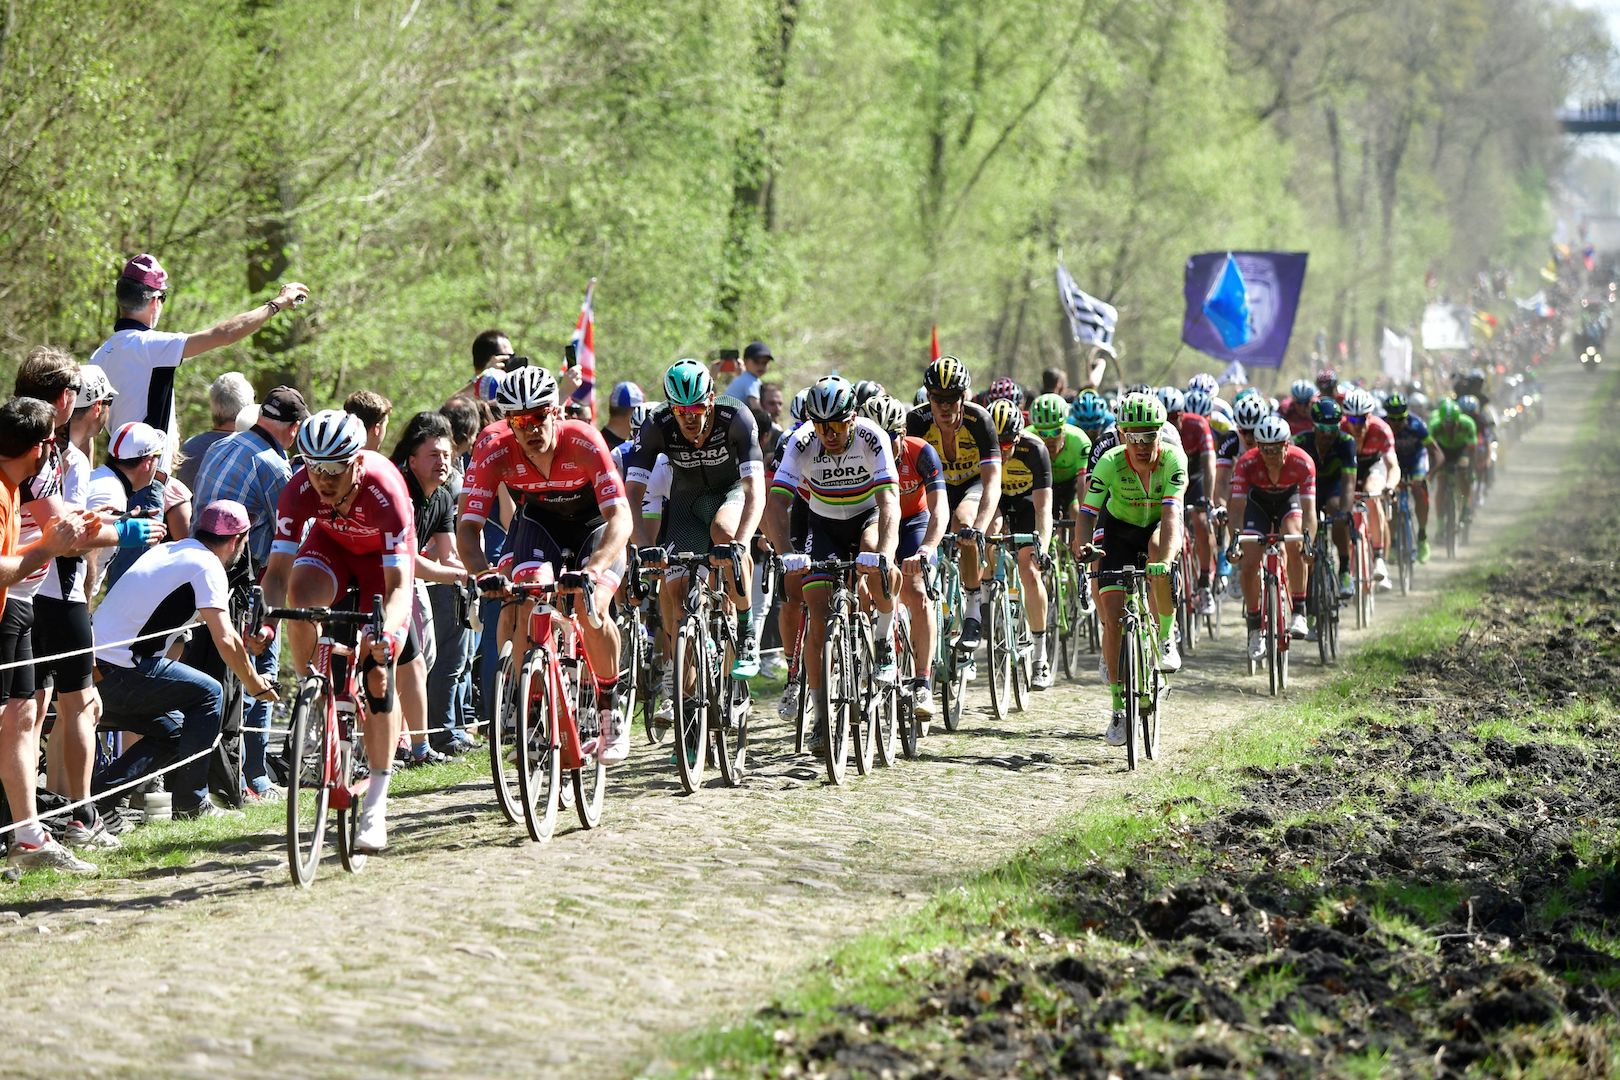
{"x": 1274, "y": 593}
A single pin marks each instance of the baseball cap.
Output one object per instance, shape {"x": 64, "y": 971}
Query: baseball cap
{"x": 223, "y": 517}
{"x": 285, "y": 404}
{"x": 757, "y": 350}
{"x": 146, "y": 270}
{"x": 626, "y": 395}
{"x": 135, "y": 440}
{"x": 94, "y": 386}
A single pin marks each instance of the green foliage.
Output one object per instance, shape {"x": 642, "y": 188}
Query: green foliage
{"x": 833, "y": 177}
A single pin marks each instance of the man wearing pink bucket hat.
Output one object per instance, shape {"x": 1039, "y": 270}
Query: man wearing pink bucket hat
{"x": 141, "y": 361}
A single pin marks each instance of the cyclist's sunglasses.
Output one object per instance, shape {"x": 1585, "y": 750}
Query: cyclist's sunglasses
{"x": 329, "y": 468}
{"x": 1272, "y": 447}
{"x": 832, "y": 427}
{"x": 535, "y": 420}
{"x": 1055, "y": 433}
{"x": 690, "y": 410}
{"x": 1356, "y": 419}
{"x": 945, "y": 399}
{"x": 1142, "y": 438}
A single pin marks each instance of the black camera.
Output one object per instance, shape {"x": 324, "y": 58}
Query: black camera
{"x": 515, "y": 362}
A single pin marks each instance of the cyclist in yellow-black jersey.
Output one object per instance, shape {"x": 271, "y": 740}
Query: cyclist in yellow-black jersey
{"x": 961, "y": 433}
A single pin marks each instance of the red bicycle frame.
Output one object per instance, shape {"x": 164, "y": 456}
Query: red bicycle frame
{"x": 559, "y": 632}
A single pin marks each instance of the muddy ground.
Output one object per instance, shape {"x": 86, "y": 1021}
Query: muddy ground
{"x": 1434, "y": 890}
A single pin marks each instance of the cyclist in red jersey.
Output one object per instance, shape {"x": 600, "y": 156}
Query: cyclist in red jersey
{"x": 1198, "y": 441}
{"x": 1377, "y": 470}
{"x": 1273, "y": 490}
{"x": 571, "y": 514}
{"x": 361, "y": 531}
{"x": 924, "y": 512}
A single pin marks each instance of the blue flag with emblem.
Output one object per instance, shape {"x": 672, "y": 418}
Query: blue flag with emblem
{"x": 1240, "y": 305}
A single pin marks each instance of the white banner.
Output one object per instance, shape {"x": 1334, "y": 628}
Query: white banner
{"x": 1445, "y": 326}
{"x": 1397, "y": 356}
{"x": 1234, "y": 375}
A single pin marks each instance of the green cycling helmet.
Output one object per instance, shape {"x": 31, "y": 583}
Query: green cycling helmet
{"x": 1139, "y": 411}
{"x": 1048, "y": 414}
{"x": 687, "y": 382}
{"x": 1446, "y": 411}
{"x": 1395, "y": 405}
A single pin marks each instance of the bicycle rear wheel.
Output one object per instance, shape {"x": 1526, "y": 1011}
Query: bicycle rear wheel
{"x": 631, "y": 644}
{"x": 351, "y": 762}
{"x": 835, "y": 699}
{"x": 692, "y": 704}
{"x": 534, "y": 737}
{"x": 502, "y": 715}
{"x": 1023, "y": 649}
{"x": 868, "y": 691}
{"x": 590, "y": 779}
{"x": 1152, "y": 704}
{"x": 1074, "y": 615}
{"x": 905, "y": 724}
{"x": 308, "y": 797}
{"x": 730, "y": 730}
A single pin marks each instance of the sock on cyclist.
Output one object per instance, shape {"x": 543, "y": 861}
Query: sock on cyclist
{"x": 885, "y": 625}
{"x": 1040, "y": 639}
{"x": 375, "y": 800}
{"x": 1116, "y": 694}
{"x": 1299, "y": 604}
{"x": 606, "y": 688}
{"x": 1203, "y": 579}
{"x": 971, "y": 608}
{"x": 1167, "y": 623}
{"x": 1251, "y": 619}
{"x": 745, "y": 623}
{"x": 925, "y": 675}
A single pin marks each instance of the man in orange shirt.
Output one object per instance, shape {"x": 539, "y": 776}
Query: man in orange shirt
{"x": 27, "y": 428}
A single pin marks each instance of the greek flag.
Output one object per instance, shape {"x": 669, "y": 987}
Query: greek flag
{"x": 1091, "y": 320}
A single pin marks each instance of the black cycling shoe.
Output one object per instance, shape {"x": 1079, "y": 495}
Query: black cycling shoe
{"x": 969, "y": 637}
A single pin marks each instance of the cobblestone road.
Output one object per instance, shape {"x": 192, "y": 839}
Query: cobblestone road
{"x": 468, "y": 950}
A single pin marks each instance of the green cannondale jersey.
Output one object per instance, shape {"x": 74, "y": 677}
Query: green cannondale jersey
{"x": 1460, "y": 439}
{"x": 1114, "y": 484}
{"x": 1071, "y": 456}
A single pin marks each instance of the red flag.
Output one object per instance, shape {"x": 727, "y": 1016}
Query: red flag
{"x": 933, "y": 346}
{"x": 584, "y": 342}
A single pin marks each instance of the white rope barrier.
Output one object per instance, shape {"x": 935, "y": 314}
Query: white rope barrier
{"x": 98, "y": 647}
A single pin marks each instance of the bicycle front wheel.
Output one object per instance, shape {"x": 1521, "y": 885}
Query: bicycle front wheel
{"x": 835, "y": 699}
{"x": 351, "y": 763}
{"x": 1268, "y": 615}
{"x": 903, "y": 725}
{"x": 1130, "y": 680}
{"x": 692, "y": 704}
{"x": 590, "y": 779}
{"x": 309, "y": 799}
{"x": 534, "y": 737}
{"x": 998, "y": 650}
{"x": 730, "y": 729}
{"x": 502, "y": 715}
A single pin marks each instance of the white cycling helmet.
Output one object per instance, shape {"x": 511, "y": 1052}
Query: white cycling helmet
{"x": 886, "y": 413}
{"x": 639, "y": 413}
{"x": 1359, "y": 402}
{"x": 526, "y": 389}
{"x": 331, "y": 435}
{"x": 1203, "y": 381}
{"x": 1273, "y": 429}
{"x": 1172, "y": 399}
{"x": 1248, "y": 413}
{"x": 831, "y": 399}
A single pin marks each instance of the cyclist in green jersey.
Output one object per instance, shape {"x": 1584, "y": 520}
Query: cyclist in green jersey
{"x": 1141, "y": 483}
{"x": 1458, "y": 438}
{"x": 1070, "y": 451}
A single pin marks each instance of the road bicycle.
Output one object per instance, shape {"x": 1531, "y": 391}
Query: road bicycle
{"x": 1322, "y": 592}
{"x": 1184, "y": 586}
{"x": 855, "y": 710}
{"x": 1142, "y": 681}
{"x": 1403, "y": 535}
{"x": 1445, "y": 506}
{"x": 1011, "y": 648}
{"x": 1361, "y": 563}
{"x": 950, "y": 662}
{"x": 1072, "y": 618}
{"x": 1274, "y": 606}
{"x": 712, "y": 707}
{"x": 555, "y": 721}
{"x": 326, "y": 757}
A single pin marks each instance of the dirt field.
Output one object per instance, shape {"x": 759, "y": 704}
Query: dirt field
{"x": 467, "y": 949}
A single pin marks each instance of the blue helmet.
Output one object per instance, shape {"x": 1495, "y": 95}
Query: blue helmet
{"x": 1090, "y": 412}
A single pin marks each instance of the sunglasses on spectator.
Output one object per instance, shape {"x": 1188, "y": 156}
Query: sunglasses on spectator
{"x": 690, "y": 410}
{"x": 329, "y": 468}
{"x": 162, "y": 294}
{"x": 534, "y": 421}
{"x": 1142, "y": 438}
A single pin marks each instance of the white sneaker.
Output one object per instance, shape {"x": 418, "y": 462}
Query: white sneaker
{"x": 50, "y": 856}
{"x": 78, "y": 836}
{"x": 1116, "y": 729}
{"x": 666, "y": 698}
{"x": 1102, "y": 665}
{"x": 922, "y": 703}
{"x": 1380, "y": 571}
{"x": 1206, "y": 601}
{"x": 1040, "y": 675}
{"x": 788, "y": 707}
{"x": 614, "y": 746}
{"x": 1234, "y": 588}
{"x": 1297, "y": 628}
{"x": 372, "y": 835}
{"x": 1257, "y": 645}
{"x": 1170, "y": 661}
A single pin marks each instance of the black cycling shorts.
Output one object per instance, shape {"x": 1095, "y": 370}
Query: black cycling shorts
{"x": 563, "y": 543}
{"x": 16, "y": 648}
{"x": 1266, "y": 511}
{"x": 63, "y": 626}
{"x": 1124, "y": 545}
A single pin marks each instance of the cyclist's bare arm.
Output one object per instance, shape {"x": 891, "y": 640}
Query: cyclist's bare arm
{"x": 776, "y": 521}
{"x": 274, "y": 583}
{"x": 616, "y": 527}
{"x": 888, "y": 508}
{"x": 939, "y": 515}
{"x": 753, "y": 507}
{"x": 990, "y": 498}
{"x": 396, "y": 606}
{"x": 1170, "y": 528}
{"x": 635, "y": 492}
{"x": 1042, "y": 499}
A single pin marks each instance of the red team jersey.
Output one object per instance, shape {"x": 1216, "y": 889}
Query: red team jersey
{"x": 1196, "y": 439}
{"x": 1377, "y": 441}
{"x": 1297, "y": 414}
{"x": 920, "y": 472}
{"x": 381, "y": 521}
{"x": 582, "y": 483}
{"x": 1298, "y": 473}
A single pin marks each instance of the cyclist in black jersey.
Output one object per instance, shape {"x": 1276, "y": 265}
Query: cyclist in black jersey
{"x": 1026, "y": 507}
{"x": 961, "y": 433}
{"x": 717, "y": 489}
